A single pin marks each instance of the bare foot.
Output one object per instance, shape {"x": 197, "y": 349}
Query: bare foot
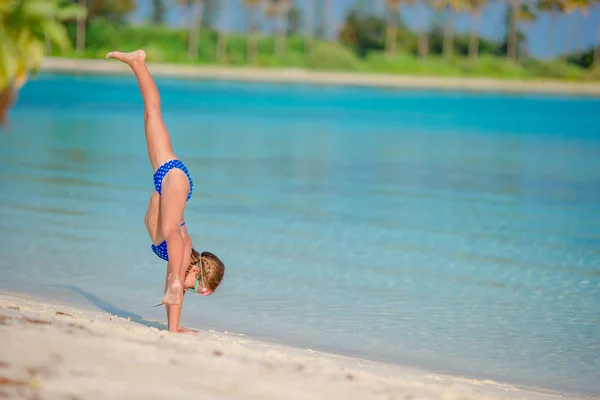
{"x": 181, "y": 329}
{"x": 128, "y": 58}
{"x": 173, "y": 293}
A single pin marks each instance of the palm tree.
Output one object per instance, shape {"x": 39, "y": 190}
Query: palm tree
{"x": 114, "y": 9}
{"x": 582, "y": 6}
{"x": 24, "y": 27}
{"x": 326, "y": 10}
{"x": 252, "y": 47}
{"x": 310, "y": 17}
{"x": 194, "y": 28}
{"x": 553, "y": 7}
{"x": 423, "y": 41}
{"x": 278, "y": 9}
{"x": 525, "y": 15}
{"x": 184, "y": 11}
{"x": 519, "y": 12}
{"x": 511, "y": 42}
{"x": 322, "y": 19}
{"x": 392, "y": 28}
{"x": 159, "y": 11}
{"x": 597, "y": 47}
{"x": 221, "y": 35}
{"x": 81, "y": 29}
{"x": 474, "y": 7}
{"x": 450, "y": 7}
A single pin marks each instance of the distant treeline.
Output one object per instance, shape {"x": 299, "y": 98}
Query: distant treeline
{"x": 360, "y": 47}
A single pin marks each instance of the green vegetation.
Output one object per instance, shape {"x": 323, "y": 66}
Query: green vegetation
{"x": 367, "y": 41}
{"x": 25, "y": 27}
{"x": 365, "y": 54}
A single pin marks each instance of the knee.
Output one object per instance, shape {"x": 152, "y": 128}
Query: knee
{"x": 151, "y": 112}
{"x": 187, "y": 241}
{"x": 172, "y": 234}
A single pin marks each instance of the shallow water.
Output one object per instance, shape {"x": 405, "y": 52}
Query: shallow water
{"x": 450, "y": 231}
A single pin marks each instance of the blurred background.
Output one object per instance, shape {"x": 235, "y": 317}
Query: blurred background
{"x": 505, "y": 39}
{"x": 450, "y": 230}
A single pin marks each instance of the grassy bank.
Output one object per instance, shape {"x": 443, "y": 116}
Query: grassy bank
{"x": 165, "y": 45}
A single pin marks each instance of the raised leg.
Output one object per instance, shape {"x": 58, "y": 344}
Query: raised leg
{"x": 158, "y": 141}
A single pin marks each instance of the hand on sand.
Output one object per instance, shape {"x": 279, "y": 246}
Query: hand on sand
{"x": 128, "y": 58}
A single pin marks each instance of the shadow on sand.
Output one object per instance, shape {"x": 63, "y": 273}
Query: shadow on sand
{"x": 109, "y": 308}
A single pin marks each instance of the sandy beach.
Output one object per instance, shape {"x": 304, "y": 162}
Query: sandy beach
{"x": 56, "y": 351}
{"x": 291, "y": 75}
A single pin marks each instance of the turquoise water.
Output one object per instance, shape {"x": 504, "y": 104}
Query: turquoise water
{"x": 454, "y": 232}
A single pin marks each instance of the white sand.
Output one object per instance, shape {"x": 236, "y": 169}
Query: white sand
{"x": 88, "y": 354}
{"x": 295, "y": 75}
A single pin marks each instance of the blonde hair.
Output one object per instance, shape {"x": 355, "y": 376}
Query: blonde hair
{"x": 213, "y": 268}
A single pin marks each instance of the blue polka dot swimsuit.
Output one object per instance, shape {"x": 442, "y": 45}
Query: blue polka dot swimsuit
{"x": 159, "y": 175}
{"x": 164, "y": 169}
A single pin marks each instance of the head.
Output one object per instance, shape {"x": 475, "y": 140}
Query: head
{"x": 205, "y": 272}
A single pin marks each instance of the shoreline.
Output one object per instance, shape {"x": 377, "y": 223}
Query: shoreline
{"x": 300, "y": 76}
{"x": 55, "y": 350}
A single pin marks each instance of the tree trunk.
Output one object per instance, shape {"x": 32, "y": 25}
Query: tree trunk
{"x": 511, "y": 43}
{"x": 581, "y": 41}
{"x": 183, "y": 8}
{"x": 423, "y": 44}
{"x": 195, "y": 25}
{"x": 325, "y": 19}
{"x": 221, "y": 47}
{"x": 252, "y": 49}
{"x": 81, "y": 30}
{"x": 7, "y": 98}
{"x": 423, "y": 41}
{"x": 564, "y": 43}
{"x": 474, "y": 39}
{"x": 392, "y": 33}
{"x": 281, "y": 31}
{"x": 448, "y": 35}
{"x": 310, "y": 16}
{"x": 552, "y": 34}
{"x": 597, "y": 47}
{"x": 250, "y": 39}
{"x": 158, "y": 12}
{"x": 47, "y": 44}
{"x": 572, "y": 36}
{"x": 222, "y": 38}
{"x": 249, "y": 53}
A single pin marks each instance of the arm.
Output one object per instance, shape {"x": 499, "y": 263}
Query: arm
{"x": 174, "y": 311}
{"x": 173, "y": 199}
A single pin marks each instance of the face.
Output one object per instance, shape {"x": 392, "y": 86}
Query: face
{"x": 201, "y": 289}
{"x": 190, "y": 279}
{"x": 194, "y": 282}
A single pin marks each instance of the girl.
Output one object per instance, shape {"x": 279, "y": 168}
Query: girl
{"x": 186, "y": 269}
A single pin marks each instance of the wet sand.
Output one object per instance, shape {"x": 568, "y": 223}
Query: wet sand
{"x": 50, "y": 350}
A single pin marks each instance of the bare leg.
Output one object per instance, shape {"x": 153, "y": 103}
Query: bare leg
{"x": 159, "y": 144}
{"x": 175, "y": 184}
